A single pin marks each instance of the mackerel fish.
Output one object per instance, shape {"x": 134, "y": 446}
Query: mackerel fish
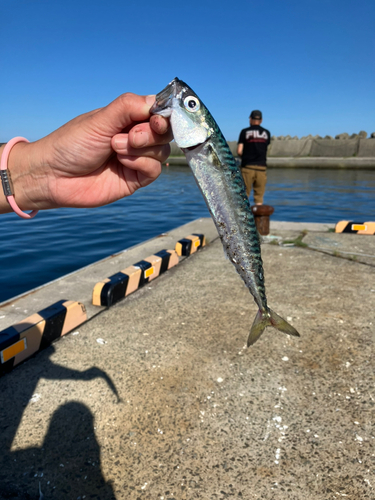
{"x": 221, "y": 183}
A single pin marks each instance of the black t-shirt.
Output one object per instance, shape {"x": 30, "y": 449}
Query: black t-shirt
{"x": 255, "y": 140}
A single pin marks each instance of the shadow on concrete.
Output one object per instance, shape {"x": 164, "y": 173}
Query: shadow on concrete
{"x": 67, "y": 465}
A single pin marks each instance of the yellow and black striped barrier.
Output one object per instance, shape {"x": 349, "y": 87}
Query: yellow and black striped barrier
{"x": 25, "y": 338}
{"x": 190, "y": 244}
{"x": 21, "y": 340}
{"x": 119, "y": 285}
{"x": 345, "y": 226}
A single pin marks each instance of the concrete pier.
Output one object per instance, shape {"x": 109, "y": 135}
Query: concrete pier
{"x": 158, "y": 398}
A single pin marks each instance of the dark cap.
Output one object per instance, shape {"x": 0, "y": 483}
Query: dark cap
{"x": 256, "y": 114}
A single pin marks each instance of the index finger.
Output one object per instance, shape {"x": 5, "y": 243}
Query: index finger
{"x": 126, "y": 110}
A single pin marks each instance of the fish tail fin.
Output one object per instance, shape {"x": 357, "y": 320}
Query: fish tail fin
{"x": 270, "y": 318}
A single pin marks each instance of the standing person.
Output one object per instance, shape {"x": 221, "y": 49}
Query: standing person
{"x": 252, "y": 148}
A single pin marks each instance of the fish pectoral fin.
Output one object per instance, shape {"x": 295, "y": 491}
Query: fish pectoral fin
{"x": 214, "y": 157}
{"x": 262, "y": 320}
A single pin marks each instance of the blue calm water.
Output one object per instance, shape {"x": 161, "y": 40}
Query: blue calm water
{"x": 58, "y": 242}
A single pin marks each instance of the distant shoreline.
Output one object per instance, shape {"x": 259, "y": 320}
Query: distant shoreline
{"x": 352, "y": 153}
{"x": 353, "y": 163}
{"x": 321, "y": 162}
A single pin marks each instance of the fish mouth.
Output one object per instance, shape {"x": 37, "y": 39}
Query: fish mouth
{"x": 164, "y": 99}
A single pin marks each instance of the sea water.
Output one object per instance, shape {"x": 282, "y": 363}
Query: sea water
{"x": 57, "y": 242}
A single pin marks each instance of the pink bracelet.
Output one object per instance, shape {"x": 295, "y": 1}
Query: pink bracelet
{"x": 6, "y": 180}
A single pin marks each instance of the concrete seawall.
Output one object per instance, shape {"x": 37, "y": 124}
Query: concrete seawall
{"x": 304, "y": 162}
{"x": 331, "y": 148}
{"x": 308, "y": 153}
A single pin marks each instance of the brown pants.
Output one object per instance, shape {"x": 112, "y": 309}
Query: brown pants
{"x": 256, "y": 179}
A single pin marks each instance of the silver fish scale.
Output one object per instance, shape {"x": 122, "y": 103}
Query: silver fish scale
{"x": 221, "y": 182}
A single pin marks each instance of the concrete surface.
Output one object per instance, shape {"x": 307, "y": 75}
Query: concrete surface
{"x": 170, "y": 405}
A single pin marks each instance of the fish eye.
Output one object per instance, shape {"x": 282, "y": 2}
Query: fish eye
{"x": 192, "y": 104}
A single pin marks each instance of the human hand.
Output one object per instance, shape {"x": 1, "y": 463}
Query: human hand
{"x": 95, "y": 159}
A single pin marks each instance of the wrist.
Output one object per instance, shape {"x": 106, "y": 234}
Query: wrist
{"x": 28, "y": 178}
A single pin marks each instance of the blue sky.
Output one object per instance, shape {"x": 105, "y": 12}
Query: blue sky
{"x": 309, "y": 66}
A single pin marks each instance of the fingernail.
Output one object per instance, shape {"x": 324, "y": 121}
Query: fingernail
{"x": 121, "y": 142}
{"x": 150, "y": 99}
{"x": 140, "y": 139}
